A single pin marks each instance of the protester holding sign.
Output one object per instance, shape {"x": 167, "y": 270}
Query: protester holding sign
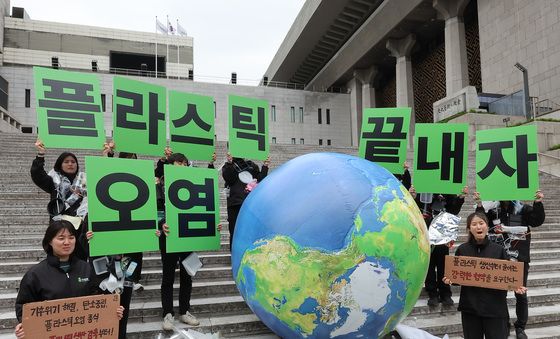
{"x": 66, "y": 185}
{"x": 61, "y": 275}
{"x": 240, "y": 176}
{"x": 405, "y": 178}
{"x": 169, "y": 260}
{"x": 431, "y": 205}
{"x": 484, "y": 311}
{"x": 513, "y": 213}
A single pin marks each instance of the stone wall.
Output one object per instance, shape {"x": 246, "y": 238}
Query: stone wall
{"x": 524, "y": 31}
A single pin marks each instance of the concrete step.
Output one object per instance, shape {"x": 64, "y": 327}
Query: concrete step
{"x": 450, "y": 322}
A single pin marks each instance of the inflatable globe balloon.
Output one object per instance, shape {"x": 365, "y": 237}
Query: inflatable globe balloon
{"x": 330, "y": 245}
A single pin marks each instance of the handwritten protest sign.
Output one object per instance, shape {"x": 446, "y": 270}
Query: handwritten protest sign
{"x": 484, "y": 272}
{"x": 93, "y": 316}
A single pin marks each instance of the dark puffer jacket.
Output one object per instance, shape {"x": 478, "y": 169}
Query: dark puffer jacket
{"x": 484, "y": 302}
{"x": 230, "y": 173}
{"x": 47, "y": 281}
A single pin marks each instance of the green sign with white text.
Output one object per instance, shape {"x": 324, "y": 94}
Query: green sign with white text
{"x": 248, "y": 128}
{"x": 383, "y": 137}
{"x": 191, "y": 125}
{"x": 441, "y": 158}
{"x": 122, "y": 210}
{"x": 139, "y": 117}
{"x": 69, "y": 110}
{"x": 507, "y": 163}
{"x": 192, "y": 209}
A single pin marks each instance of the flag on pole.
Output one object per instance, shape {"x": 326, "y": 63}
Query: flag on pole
{"x": 170, "y": 28}
{"x": 161, "y": 27}
{"x": 180, "y": 30}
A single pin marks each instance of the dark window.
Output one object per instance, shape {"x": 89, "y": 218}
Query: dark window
{"x": 301, "y": 115}
{"x": 27, "y": 98}
{"x": 328, "y": 116}
{"x": 320, "y": 142}
{"x": 27, "y": 130}
{"x": 292, "y": 114}
{"x": 273, "y": 113}
{"x": 293, "y": 141}
{"x": 301, "y": 141}
{"x": 273, "y": 140}
{"x": 54, "y": 62}
{"x": 328, "y": 142}
{"x": 319, "y": 117}
{"x": 103, "y": 102}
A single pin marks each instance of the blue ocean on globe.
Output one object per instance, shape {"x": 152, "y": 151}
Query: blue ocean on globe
{"x": 330, "y": 246}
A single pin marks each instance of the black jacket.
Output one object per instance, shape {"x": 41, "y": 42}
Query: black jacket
{"x": 484, "y": 302}
{"x": 230, "y": 174}
{"x": 47, "y": 281}
{"x": 530, "y": 216}
{"x": 46, "y": 183}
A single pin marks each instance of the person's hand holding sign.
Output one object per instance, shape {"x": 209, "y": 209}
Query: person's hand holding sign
{"x": 165, "y": 230}
{"x": 539, "y": 196}
{"x": 476, "y": 198}
{"x": 41, "y": 150}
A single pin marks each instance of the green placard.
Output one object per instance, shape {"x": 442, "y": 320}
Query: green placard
{"x": 122, "y": 210}
{"x": 383, "y": 139}
{"x": 191, "y": 125}
{"x": 192, "y": 209}
{"x": 441, "y": 158}
{"x": 248, "y": 128}
{"x": 506, "y": 163}
{"x": 139, "y": 117}
{"x": 69, "y": 110}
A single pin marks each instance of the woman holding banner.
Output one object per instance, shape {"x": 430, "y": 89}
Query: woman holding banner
{"x": 513, "y": 213}
{"x": 484, "y": 311}
{"x": 66, "y": 185}
{"x": 60, "y": 275}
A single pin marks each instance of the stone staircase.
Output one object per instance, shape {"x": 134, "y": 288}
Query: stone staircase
{"x": 215, "y": 300}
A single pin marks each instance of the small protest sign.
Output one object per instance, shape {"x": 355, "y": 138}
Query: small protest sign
{"x": 122, "y": 205}
{"x": 248, "y": 127}
{"x": 92, "y": 316}
{"x": 192, "y": 209}
{"x": 440, "y": 164}
{"x": 484, "y": 272}
{"x": 139, "y": 116}
{"x": 507, "y": 163}
{"x": 69, "y": 110}
{"x": 384, "y": 135}
{"x": 191, "y": 125}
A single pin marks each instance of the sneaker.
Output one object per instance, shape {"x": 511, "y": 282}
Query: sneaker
{"x": 520, "y": 333}
{"x": 447, "y": 301}
{"x": 433, "y": 301}
{"x": 137, "y": 287}
{"x": 168, "y": 320}
{"x": 190, "y": 319}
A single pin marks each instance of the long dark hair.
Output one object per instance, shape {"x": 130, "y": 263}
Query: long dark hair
{"x": 52, "y": 231}
{"x": 471, "y": 217}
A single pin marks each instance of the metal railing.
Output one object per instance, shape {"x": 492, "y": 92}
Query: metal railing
{"x": 544, "y": 106}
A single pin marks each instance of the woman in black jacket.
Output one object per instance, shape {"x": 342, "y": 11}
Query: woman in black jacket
{"x": 513, "y": 213}
{"x": 238, "y": 190}
{"x": 484, "y": 311}
{"x": 60, "y": 275}
{"x": 61, "y": 184}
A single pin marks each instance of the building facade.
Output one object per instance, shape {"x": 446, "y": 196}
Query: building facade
{"x": 296, "y": 116}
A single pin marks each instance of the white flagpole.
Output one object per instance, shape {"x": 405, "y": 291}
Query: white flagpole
{"x": 167, "y": 48}
{"x": 156, "y": 45}
{"x": 178, "y": 65}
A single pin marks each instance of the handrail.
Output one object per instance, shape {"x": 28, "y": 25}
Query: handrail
{"x": 549, "y": 156}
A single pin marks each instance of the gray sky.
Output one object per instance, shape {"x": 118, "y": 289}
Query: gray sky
{"x": 229, "y": 35}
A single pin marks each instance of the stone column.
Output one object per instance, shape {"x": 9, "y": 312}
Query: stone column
{"x": 366, "y": 77}
{"x": 456, "y": 63}
{"x": 401, "y": 49}
{"x": 354, "y": 86}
